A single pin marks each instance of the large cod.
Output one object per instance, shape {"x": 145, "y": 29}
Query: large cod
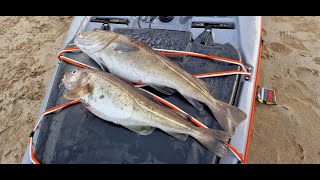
{"x": 117, "y": 101}
{"x": 137, "y": 63}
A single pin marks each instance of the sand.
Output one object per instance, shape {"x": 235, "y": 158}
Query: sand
{"x": 290, "y": 64}
{"x": 28, "y": 51}
{"x": 290, "y": 131}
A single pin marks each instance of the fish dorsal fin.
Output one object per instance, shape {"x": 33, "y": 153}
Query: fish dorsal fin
{"x": 142, "y": 130}
{"x": 164, "y": 90}
{"x": 78, "y": 92}
{"x": 182, "y": 137}
{"x": 125, "y": 47}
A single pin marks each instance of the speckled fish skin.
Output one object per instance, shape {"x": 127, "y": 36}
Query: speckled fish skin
{"x": 137, "y": 63}
{"x": 117, "y": 101}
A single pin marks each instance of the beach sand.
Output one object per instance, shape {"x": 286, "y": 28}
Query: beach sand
{"x": 28, "y": 50}
{"x": 290, "y": 64}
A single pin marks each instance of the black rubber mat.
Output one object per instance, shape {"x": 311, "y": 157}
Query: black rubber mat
{"x": 75, "y": 135}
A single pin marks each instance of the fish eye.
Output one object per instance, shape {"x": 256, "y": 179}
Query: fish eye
{"x": 74, "y": 71}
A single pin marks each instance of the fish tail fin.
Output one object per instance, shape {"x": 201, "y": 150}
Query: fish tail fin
{"x": 229, "y": 117}
{"x": 213, "y": 140}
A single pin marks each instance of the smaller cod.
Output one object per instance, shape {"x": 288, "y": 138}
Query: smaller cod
{"x": 115, "y": 100}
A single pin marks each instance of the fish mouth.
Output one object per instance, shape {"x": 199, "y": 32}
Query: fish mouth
{"x": 85, "y": 39}
{"x": 92, "y": 43}
{"x": 71, "y": 86}
{"x": 88, "y": 46}
{"x": 68, "y": 86}
{"x": 82, "y": 41}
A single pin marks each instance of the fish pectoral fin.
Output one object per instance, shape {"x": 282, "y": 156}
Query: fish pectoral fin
{"x": 149, "y": 96}
{"x": 124, "y": 47}
{"x": 97, "y": 59}
{"x": 78, "y": 92}
{"x": 164, "y": 90}
{"x": 102, "y": 65}
{"x": 194, "y": 103}
{"x": 142, "y": 130}
{"x": 182, "y": 137}
{"x": 204, "y": 84}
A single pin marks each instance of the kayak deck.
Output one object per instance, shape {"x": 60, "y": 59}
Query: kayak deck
{"x": 242, "y": 32}
{"x": 75, "y": 135}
